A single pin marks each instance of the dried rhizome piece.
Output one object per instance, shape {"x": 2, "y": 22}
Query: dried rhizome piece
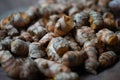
{"x": 47, "y": 38}
{"x": 35, "y": 50}
{"x": 74, "y": 58}
{"x": 91, "y": 64}
{"x": 5, "y": 44}
{"x": 26, "y": 36}
{"x": 73, "y": 45}
{"x": 96, "y": 20}
{"x": 50, "y": 26}
{"x": 108, "y": 58}
{"x": 20, "y": 20}
{"x": 109, "y": 20}
{"x": 19, "y": 47}
{"x": 63, "y": 25}
{"x": 81, "y": 19}
{"x": 55, "y": 70}
{"x": 107, "y": 36}
{"x": 56, "y": 48}
{"x": 37, "y": 31}
{"x": 84, "y": 34}
{"x": 18, "y": 68}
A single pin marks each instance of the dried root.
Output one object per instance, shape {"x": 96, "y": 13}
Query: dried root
{"x": 50, "y": 68}
{"x": 5, "y": 44}
{"x": 73, "y": 58}
{"x": 54, "y": 17}
{"x": 35, "y": 50}
{"x": 3, "y": 34}
{"x": 103, "y": 3}
{"x": 26, "y": 36}
{"x": 56, "y": 48}
{"x": 63, "y": 25}
{"x": 116, "y": 47}
{"x": 5, "y": 21}
{"x": 84, "y": 34}
{"x": 45, "y": 10}
{"x": 50, "y": 26}
{"x": 19, "y": 47}
{"x": 81, "y": 19}
{"x": 30, "y": 70}
{"x": 73, "y": 10}
{"x": 107, "y": 36}
{"x": 12, "y": 31}
{"x": 60, "y": 8}
{"x": 96, "y": 20}
{"x": 9, "y": 64}
{"x": 46, "y": 38}
{"x": 18, "y": 68}
{"x": 20, "y": 20}
{"x": 37, "y": 31}
{"x": 32, "y": 12}
{"x": 109, "y": 20}
{"x": 73, "y": 45}
{"x": 91, "y": 64}
{"x": 107, "y": 59}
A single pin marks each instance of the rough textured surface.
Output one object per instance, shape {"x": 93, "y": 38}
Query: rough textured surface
{"x": 109, "y": 74}
{"x": 6, "y": 6}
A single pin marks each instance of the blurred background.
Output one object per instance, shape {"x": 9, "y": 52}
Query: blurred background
{"x": 9, "y": 6}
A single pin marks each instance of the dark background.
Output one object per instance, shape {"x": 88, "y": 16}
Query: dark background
{"x": 9, "y": 6}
